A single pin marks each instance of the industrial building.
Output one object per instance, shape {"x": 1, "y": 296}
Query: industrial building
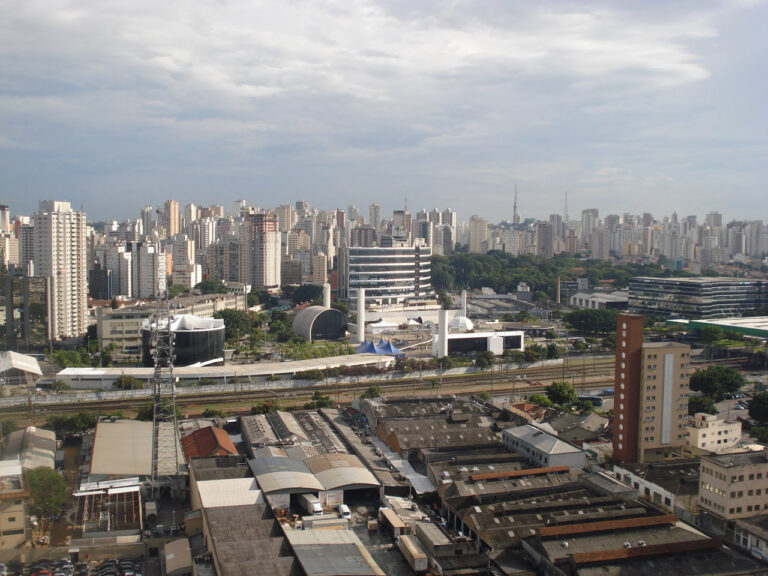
{"x": 542, "y": 449}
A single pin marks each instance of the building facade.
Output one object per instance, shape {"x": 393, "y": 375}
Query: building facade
{"x": 390, "y": 275}
{"x": 262, "y": 251}
{"x": 651, "y": 394}
{"x": 708, "y": 432}
{"x": 60, "y": 254}
{"x": 732, "y": 487}
{"x": 696, "y": 297}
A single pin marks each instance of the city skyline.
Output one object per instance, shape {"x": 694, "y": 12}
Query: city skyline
{"x": 628, "y": 108}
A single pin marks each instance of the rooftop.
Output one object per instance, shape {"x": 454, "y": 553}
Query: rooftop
{"x": 677, "y": 476}
{"x": 256, "y": 546}
{"x": 738, "y": 459}
{"x": 122, "y": 448}
{"x": 541, "y": 440}
{"x": 219, "y": 468}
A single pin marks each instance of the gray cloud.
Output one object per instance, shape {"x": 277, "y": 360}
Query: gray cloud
{"x": 339, "y": 102}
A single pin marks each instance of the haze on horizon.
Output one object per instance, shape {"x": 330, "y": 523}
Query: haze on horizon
{"x": 630, "y": 107}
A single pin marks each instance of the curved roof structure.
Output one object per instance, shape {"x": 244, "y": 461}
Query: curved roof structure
{"x": 460, "y": 324}
{"x": 283, "y": 475}
{"x": 189, "y": 323}
{"x": 344, "y": 471}
{"x": 320, "y": 322}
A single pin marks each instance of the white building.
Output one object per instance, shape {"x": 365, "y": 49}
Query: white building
{"x": 391, "y": 275}
{"x": 148, "y": 270}
{"x": 713, "y": 434}
{"x": 60, "y": 253}
{"x": 261, "y": 253}
{"x": 542, "y": 449}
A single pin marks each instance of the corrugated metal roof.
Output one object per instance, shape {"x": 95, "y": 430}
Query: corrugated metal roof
{"x": 607, "y": 526}
{"x": 581, "y": 558}
{"x": 518, "y": 473}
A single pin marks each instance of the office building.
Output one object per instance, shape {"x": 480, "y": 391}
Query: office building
{"x": 60, "y": 253}
{"x": 696, "y": 297}
{"x": 391, "y": 275}
{"x": 651, "y": 395}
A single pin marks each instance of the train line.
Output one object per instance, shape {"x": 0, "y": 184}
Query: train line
{"x": 596, "y": 374}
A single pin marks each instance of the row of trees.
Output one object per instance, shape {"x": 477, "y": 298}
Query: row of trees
{"x": 503, "y": 272}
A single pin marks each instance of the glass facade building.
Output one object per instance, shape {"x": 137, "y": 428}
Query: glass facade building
{"x": 391, "y": 275}
{"x": 696, "y": 297}
{"x": 25, "y": 306}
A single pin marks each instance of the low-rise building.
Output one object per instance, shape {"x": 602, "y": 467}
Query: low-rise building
{"x": 672, "y": 485}
{"x": 541, "y": 448}
{"x": 708, "y": 432}
{"x": 122, "y": 326}
{"x": 732, "y": 487}
{"x": 14, "y": 505}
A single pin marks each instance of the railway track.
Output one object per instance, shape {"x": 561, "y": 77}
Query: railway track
{"x": 583, "y": 375}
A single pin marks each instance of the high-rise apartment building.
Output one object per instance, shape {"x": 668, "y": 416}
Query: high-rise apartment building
{"x": 147, "y": 220}
{"x": 545, "y": 239}
{"x": 478, "y": 235}
{"x": 651, "y": 405}
{"x": 374, "y": 214}
{"x": 60, "y": 253}
{"x": 171, "y": 218}
{"x": 261, "y": 250}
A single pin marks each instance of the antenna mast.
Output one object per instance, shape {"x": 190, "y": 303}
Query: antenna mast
{"x": 165, "y": 445}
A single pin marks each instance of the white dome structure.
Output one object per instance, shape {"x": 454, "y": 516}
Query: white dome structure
{"x": 460, "y": 324}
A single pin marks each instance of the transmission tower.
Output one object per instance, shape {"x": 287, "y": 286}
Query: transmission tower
{"x": 165, "y": 446}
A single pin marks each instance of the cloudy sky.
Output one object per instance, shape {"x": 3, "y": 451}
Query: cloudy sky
{"x": 628, "y": 106}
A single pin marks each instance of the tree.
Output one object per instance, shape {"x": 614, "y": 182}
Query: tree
{"x": 445, "y": 300}
{"x": 211, "y": 287}
{"x": 48, "y": 490}
{"x": 561, "y": 393}
{"x": 7, "y": 426}
{"x": 553, "y": 351}
{"x": 539, "y": 399}
{"x": 318, "y": 401}
{"x": 485, "y": 359}
{"x": 114, "y": 304}
{"x": 128, "y": 383}
{"x": 73, "y": 424}
{"x": 758, "y": 408}
{"x": 265, "y": 406}
{"x": 307, "y": 293}
{"x": 534, "y": 352}
{"x": 177, "y": 290}
{"x": 485, "y": 395}
{"x": 236, "y": 322}
{"x": 213, "y": 413}
{"x": 717, "y": 382}
{"x": 372, "y": 392}
{"x": 704, "y": 404}
{"x": 591, "y": 321}
{"x": 711, "y": 334}
{"x": 60, "y": 386}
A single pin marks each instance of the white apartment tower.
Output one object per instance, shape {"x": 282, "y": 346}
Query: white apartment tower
{"x": 261, "y": 250}
{"x": 60, "y": 253}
